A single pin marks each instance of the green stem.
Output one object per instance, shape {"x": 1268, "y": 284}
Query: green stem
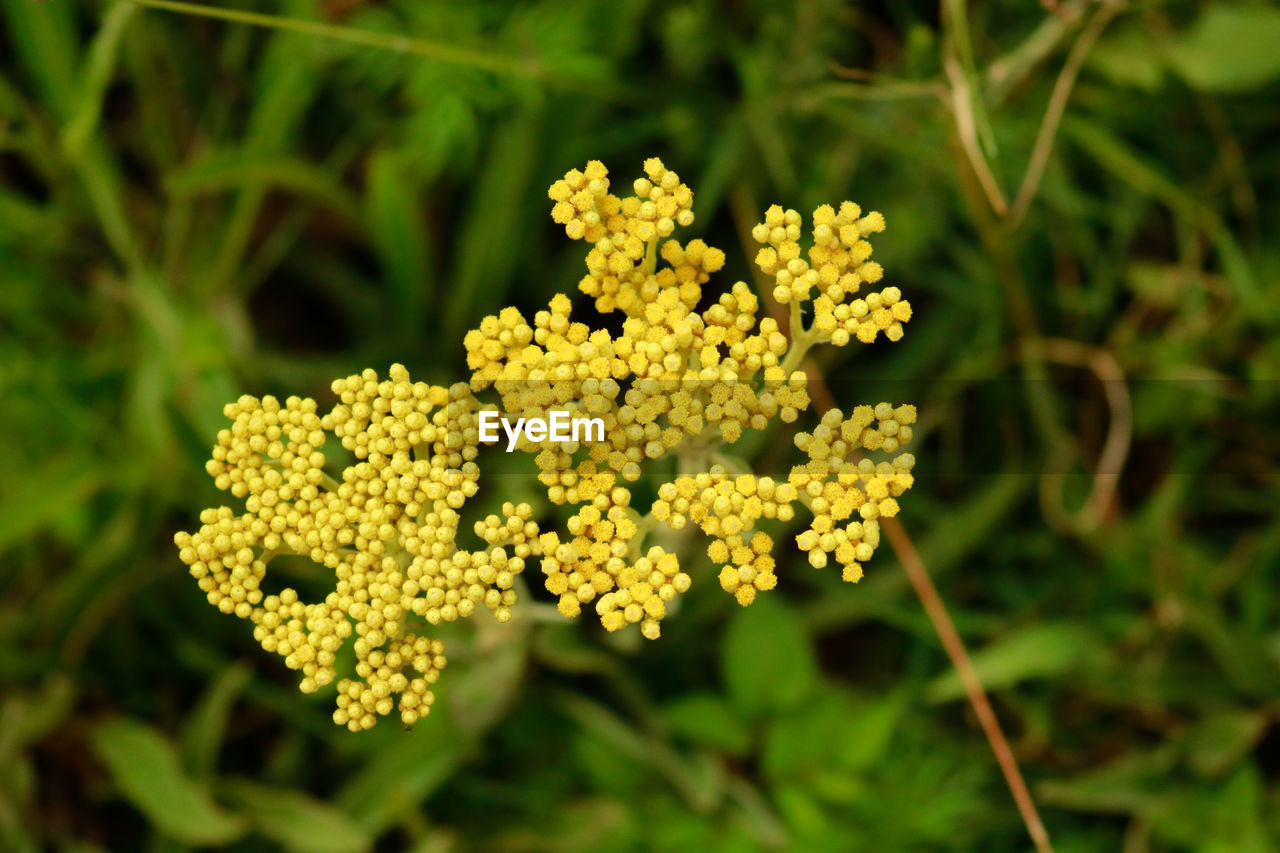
{"x": 800, "y": 347}
{"x": 732, "y": 464}
{"x": 802, "y": 340}
{"x": 650, "y": 258}
{"x": 387, "y": 41}
{"x": 644, "y": 526}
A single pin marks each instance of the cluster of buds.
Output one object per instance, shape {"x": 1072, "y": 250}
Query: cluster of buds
{"x": 387, "y": 531}
{"x": 838, "y": 265}
{"x": 838, "y": 485}
{"x": 673, "y": 381}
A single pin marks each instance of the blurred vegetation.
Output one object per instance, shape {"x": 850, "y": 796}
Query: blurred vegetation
{"x": 194, "y": 208}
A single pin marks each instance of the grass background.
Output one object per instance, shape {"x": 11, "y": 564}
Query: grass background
{"x": 194, "y": 208}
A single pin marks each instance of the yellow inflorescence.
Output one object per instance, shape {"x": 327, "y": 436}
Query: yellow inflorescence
{"x": 387, "y": 531}
{"x": 838, "y": 265}
{"x": 839, "y": 487}
{"x": 673, "y": 382}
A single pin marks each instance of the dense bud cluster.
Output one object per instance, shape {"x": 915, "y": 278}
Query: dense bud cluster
{"x": 387, "y": 532}
{"x": 838, "y": 265}
{"x": 838, "y": 487}
{"x": 673, "y": 381}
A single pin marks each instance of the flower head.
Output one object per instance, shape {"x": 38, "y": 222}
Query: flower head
{"x": 673, "y": 381}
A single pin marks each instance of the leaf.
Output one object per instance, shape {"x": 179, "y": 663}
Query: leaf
{"x": 42, "y": 36}
{"x": 803, "y": 813}
{"x": 1235, "y": 824}
{"x": 1161, "y": 285}
{"x": 204, "y": 731}
{"x": 968, "y": 527}
{"x": 767, "y": 661}
{"x": 243, "y": 169}
{"x": 497, "y": 218}
{"x": 392, "y": 781}
{"x": 801, "y": 743}
{"x": 27, "y": 717}
{"x": 699, "y": 783}
{"x": 300, "y": 822}
{"x": 145, "y": 767}
{"x": 871, "y": 729}
{"x": 1220, "y": 741}
{"x": 34, "y": 499}
{"x": 1036, "y": 651}
{"x": 706, "y": 719}
{"x": 1230, "y": 48}
{"x": 1131, "y": 167}
{"x": 399, "y": 234}
{"x": 832, "y": 733}
{"x": 1133, "y": 783}
{"x": 95, "y": 77}
{"x": 1127, "y": 57}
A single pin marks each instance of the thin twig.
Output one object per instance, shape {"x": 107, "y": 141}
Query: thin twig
{"x": 1057, "y": 106}
{"x": 1009, "y": 71}
{"x": 937, "y": 611}
{"x": 1115, "y": 449}
{"x": 967, "y": 130}
{"x": 743, "y": 206}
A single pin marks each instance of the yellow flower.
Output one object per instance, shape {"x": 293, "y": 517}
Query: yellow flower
{"x": 670, "y": 381}
{"x": 386, "y": 530}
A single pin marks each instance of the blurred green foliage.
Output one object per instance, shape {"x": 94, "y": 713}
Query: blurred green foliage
{"x": 194, "y": 208}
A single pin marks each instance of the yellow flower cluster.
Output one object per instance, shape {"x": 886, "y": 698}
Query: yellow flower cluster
{"x": 674, "y": 382}
{"x": 671, "y": 381}
{"x": 838, "y": 265}
{"x": 643, "y": 591}
{"x": 837, "y": 486}
{"x": 360, "y": 704}
{"x": 624, "y": 232}
{"x": 748, "y": 565}
{"x": 387, "y": 531}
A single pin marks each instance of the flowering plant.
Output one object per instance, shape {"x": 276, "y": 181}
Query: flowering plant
{"x": 675, "y": 382}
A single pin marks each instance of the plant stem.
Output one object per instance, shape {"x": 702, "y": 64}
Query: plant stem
{"x": 936, "y": 610}
{"x": 1057, "y": 106}
{"x": 386, "y": 41}
{"x": 954, "y": 646}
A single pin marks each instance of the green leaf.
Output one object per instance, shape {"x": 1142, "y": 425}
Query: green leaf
{"x": 768, "y": 663}
{"x": 1137, "y": 782}
{"x": 706, "y": 719}
{"x": 26, "y": 717}
{"x": 832, "y": 732}
{"x": 202, "y": 736}
{"x": 231, "y": 169}
{"x": 800, "y": 744}
{"x": 393, "y": 781}
{"x": 803, "y": 813}
{"x": 400, "y": 235}
{"x": 1235, "y": 817}
{"x": 95, "y": 77}
{"x": 1230, "y": 48}
{"x": 1219, "y": 742}
{"x": 1127, "y": 57}
{"x": 300, "y": 822}
{"x": 145, "y": 767}
{"x": 871, "y": 729}
{"x": 1131, "y": 167}
{"x": 33, "y": 499}
{"x": 699, "y": 783}
{"x": 499, "y": 214}
{"x": 1037, "y": 651}
{"x": 42, "y": 37}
